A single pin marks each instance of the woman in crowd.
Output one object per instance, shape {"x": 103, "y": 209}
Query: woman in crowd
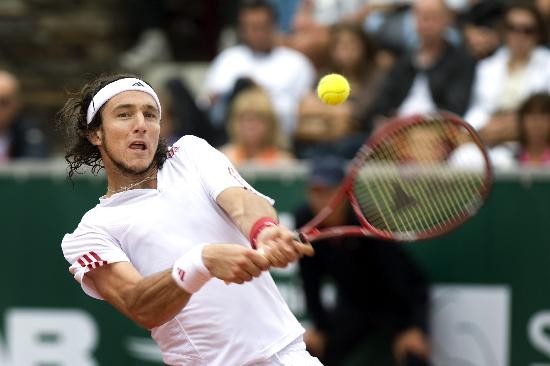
{"x": 254, "y": 131}
{"x": 520, "y": 68}
{"x": 534, "y": 131}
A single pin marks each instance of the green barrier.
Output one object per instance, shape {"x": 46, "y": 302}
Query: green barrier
{"x": 496, "y": 266}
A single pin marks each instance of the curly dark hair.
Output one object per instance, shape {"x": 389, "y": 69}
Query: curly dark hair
{"x": 72, "y": 120}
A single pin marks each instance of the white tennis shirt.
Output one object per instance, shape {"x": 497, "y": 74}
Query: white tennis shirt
{"x": 222, "y": 324}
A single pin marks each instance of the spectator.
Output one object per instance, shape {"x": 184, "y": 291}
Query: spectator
{"x": 286, "y": 74}
{"x": 481, "y": 28}
{"x": 379, "y": 289}
{"x": 19, "y": 137}
{"x": 437, "y": 75}
{"x": 534, "y": 131}
{"x": 255, "y": 135}
{"x": 519, "y": 68}
{"x": 320, "y": 126}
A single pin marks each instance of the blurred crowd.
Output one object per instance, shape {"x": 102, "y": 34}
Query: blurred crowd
{"x": 485, "y": 60}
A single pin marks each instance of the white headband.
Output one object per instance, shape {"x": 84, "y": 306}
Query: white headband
{"x": 117, "y": 87}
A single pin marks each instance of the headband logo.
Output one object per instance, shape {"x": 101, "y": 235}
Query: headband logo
{"x": 138, "y": 84}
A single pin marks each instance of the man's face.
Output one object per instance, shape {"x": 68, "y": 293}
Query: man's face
{"x": 257, "y": 29}
{"x": 129, "y": 134}
{"x": 9, "y": 103}
{"x": 432, "y": 19}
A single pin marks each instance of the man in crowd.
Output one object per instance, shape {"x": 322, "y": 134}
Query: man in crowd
{"x": 286, "y": 74}
{"x": 435, "y": 76}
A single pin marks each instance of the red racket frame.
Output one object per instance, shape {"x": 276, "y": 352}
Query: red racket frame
{"x": 310, "y": 232}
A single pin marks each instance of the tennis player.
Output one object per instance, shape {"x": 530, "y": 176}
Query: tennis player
{"x": 171, "y": 244}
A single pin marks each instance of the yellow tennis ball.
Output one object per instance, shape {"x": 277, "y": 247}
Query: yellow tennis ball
{"x": 333, "y": 89}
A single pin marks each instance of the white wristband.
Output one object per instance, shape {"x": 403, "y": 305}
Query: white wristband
{"x": 189, "y": 271}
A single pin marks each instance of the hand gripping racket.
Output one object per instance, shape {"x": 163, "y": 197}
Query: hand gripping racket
{"x": 417, "y": 177}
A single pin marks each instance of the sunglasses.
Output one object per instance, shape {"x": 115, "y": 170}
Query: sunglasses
{"x": 527, "y": 30}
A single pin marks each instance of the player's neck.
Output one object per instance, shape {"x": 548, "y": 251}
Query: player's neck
{"x": 118, "y": 181}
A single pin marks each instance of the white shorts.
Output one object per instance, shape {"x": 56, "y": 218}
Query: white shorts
{"x": 294, "y": 354}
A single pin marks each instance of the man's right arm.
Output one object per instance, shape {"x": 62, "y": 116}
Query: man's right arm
{"x": 154, "y": 300}
{"x": 149, "y": 301}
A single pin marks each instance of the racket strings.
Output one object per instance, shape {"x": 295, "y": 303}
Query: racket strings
{"x": 413, "y": 181}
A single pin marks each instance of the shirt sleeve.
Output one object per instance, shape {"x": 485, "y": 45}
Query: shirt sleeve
{"x": 215, "y": 170}
{"x": 86, "y": 250}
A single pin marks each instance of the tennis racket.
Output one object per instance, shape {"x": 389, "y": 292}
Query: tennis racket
{"x": 417, "y": 177}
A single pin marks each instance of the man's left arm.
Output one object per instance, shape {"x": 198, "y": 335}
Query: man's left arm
{"x": 248, "y": 210}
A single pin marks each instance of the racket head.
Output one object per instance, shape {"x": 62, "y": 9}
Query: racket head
{"x": 419, "y": 177}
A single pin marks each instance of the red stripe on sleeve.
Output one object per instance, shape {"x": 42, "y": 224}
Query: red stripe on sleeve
{"x": 97, "y": 257}
{"x": 81, "y": 262}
